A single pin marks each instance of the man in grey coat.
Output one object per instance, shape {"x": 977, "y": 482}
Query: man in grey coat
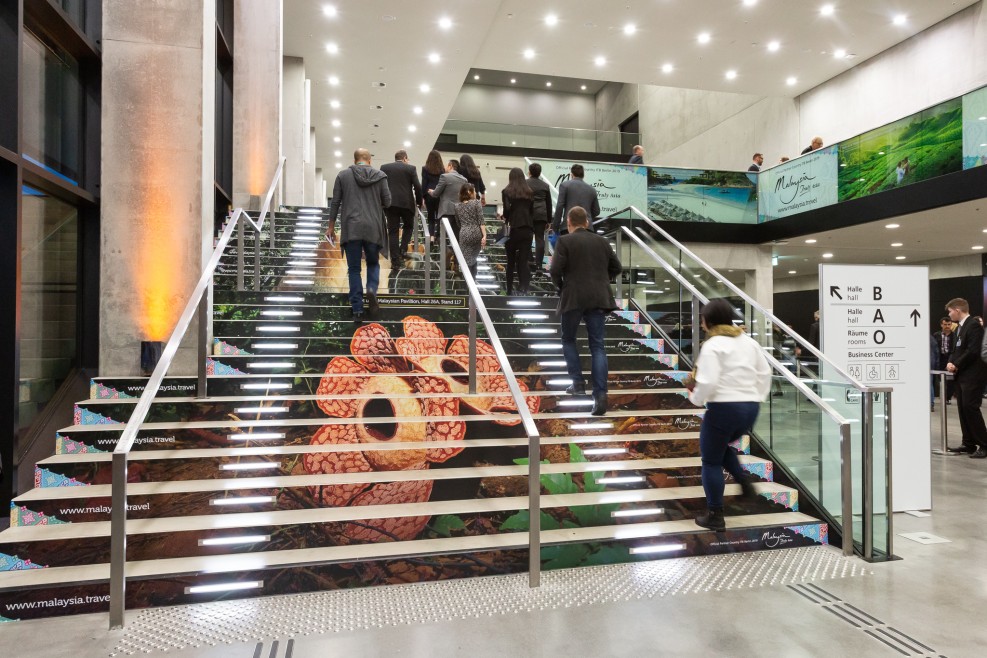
{"x": 447, "y": 191}
{"x": 582, "y": 268}
{"x": 363, "y": 193}
{"x": 406, "y": 195}
{"x": 575, "y": 192}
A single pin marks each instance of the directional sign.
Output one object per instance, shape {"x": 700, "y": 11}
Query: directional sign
{"x": 871, "y": 326}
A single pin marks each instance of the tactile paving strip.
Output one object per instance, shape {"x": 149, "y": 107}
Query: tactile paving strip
{"x": 257, "y": 620}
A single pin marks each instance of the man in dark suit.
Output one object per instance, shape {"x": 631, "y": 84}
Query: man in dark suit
{"x": 582, "y": 268}
{"x": 575, "y": 192}
{"x": 541, "y": 213}
{"x": 406, "y": 195}
{"x": 945, "y": 342}
{"x": 970, "y": 378}
{"x": 758, "y": 160}
{"x": 638, "y": 155}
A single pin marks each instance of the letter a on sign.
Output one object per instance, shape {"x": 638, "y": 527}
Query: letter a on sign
{"x": 878, "y": 316}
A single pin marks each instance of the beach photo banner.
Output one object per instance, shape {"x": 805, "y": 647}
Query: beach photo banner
{"x": 975, "y": 129}
{"x": 802, "y": 184}
{"x": 617, "y": 186}
{"x": 702, "y": 195}
{"x": 913, "y": 149}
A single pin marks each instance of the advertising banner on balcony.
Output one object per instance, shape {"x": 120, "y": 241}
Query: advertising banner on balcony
{"x": 702, "y": 195}
{"x": 617, "y": 186}
{"x": 975, "y": 129}
{"x": 916, "y": 148}
{"x": 798, "y": 185}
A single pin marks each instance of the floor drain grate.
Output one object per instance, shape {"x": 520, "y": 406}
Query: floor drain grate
{"x": 872, "y": 626}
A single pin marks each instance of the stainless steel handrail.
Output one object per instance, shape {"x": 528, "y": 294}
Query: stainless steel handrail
{"x": 534, "y": 443}
{"x": 258, "y": 225}
{"x": 843, "y": 423}
{"x": 427, "y": 239}
{"x": 198, "y": 303}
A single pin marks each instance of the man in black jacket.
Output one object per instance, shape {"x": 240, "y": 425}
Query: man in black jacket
{"x": 541, "y": 212}
{"x": 970, "y": 377}
{"x": 945, "y": 342}
{"x": 582, "y": 268}
{"x": 573, "y": 193}
{"x": 406, "y": 195}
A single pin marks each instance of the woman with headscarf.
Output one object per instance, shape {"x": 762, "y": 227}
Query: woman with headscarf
{"x": 732, "y": 377}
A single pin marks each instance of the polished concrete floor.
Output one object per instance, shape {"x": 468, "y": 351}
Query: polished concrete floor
{"x": 929, "y": 603}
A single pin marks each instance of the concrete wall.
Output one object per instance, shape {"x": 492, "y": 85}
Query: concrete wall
{"x": 524, "y": 107}
{"x": 256, "y": 80}
{"x": 157, "y": 142}
{"x": 294, "y": 129}
{"x": 943, "y": 62}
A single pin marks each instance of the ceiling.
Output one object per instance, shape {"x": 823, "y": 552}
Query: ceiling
{"x": 390, "y": 94}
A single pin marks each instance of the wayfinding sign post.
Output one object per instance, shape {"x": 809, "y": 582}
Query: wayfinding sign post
{"x": 874, "y": 325}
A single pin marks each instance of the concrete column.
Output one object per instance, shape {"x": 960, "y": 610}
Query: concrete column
{"x": 157, "y": 148}
{"x": 257, "y": 53}
{"x": 294, "y": 129}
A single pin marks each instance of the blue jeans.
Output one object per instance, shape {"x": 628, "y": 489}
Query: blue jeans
{"x": 355, "y": 250}
{"x": 724, "y": 422}
{"x": 595, "y": 319}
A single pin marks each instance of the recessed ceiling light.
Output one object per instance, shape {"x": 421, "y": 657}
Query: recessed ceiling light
{"x": 476, "y": 77}
{"x": 515, "y": 144}
{"x": 332, "y": 48}
{"x": 582, "y": 87}
{"x": 417, "y": 109}
{"x": 791, "y": 80}
{"x": 548, "y": 84}
{"x": 827, "y": 10}
{"x": 434, "y": 58}
{"x": 977, "y": 247}
{"x": 773, "y": 46}
{"x": 892, "y": 225}
{"x": 667, "y": 68}
{"x": 329, "y": 10}
{"x": 900, "y": 257}
{"x": 896, "y": 244}
{"x": 445, "y": 22}
{"x": 551, "y": 20}
{"x": 412, "y": 128}
{"x": 335, "y": 123}
{"x": 630, "y": 29}
{"x": 529, "y": 53}
{"x": 731, "y": 75}
{"x": 337, "y": 139}
{"x": 333, "y": 80}
{"x": 827, "y": 255}
{"x": 338, "y": 154}
{"x": 424, "y": 88}
{"x": 334, "y": 104}
{"x": 839, "y": 53}
{"x": 513, "y": 81}
{"x": 900, "y": 19}
{"x": 811, "y": 241}
{"x": 339, "y": 165}
{"x": 407, "y": 144}
{"x": 600, "y": 60}
{"x": 792, "y": 271}
{"x": 703, "y": 37}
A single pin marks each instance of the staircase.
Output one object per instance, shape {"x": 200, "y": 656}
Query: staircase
{"x": 331, "y": 455}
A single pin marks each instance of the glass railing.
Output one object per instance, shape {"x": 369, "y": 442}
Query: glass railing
{"x": 538, "y": 137}
{"x": 826, "y": 431}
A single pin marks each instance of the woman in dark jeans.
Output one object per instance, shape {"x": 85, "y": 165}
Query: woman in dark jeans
{"x": 518, "y": 211}
{"x": 469, "y": 171}
{"x": 431, "y": 172}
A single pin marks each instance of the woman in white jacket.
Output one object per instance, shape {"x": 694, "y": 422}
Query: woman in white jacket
{"x": 732, "y": 378}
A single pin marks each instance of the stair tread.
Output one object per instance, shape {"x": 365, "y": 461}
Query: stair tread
{"x": 353, "y": 513}
{"x": 368, "y": 477}
{"x": 219, "y": 564}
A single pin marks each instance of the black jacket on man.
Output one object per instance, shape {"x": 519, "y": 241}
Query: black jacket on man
{"x": 970, "y": 378}
{"x": 542, "y": 201}
{"x": 406, "y": 189}
{"x": 582, "y": 268}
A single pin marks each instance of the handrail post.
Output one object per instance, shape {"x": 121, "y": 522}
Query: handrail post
{"x": 240, "y": 246}
{"x": 272, "y": 228}
{"x": 695, "y": 328}
{"x": 534, "y": 511}
{"x": 472, "y": 346}
{"x": 203, "y": 345}
{"x": 442, "y": 258}
{"x": 943, "y": 424}
{"x": 846, "y": 484}
{"x": 867, "y": 466}
{"x": 118, "y": 540}
{"x": 888, "y": 474}
{"x": 620, "y": 284}
{"x": 257, "y": 259}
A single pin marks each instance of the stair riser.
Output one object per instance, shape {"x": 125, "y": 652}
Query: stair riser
{"x": 59, "y": 601}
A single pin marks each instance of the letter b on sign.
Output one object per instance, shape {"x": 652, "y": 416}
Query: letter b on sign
{"x": 877, "y": 293}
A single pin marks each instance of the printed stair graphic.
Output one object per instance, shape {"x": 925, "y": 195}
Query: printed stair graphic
{"x": 328, "y": 454}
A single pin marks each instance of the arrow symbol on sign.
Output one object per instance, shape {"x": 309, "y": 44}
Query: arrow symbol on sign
{"x": 915, "y": 315}
{"x": 834, "y": 291}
